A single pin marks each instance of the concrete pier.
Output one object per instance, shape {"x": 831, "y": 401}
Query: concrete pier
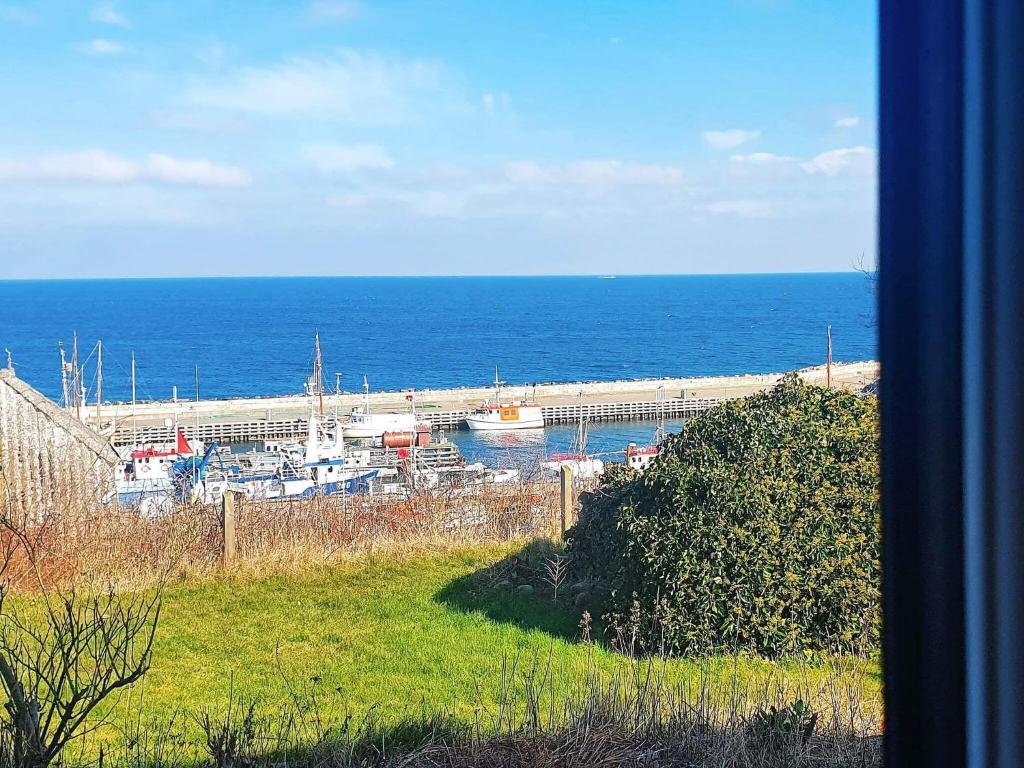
{"x": 251, "y": 419}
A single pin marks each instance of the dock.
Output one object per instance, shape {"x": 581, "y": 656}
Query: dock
{"x": 233, "y": 421}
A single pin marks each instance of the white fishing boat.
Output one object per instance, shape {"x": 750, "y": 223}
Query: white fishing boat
{"x": 363, "y": 424}
{"x": 640, "y": 457}
{"x": 583, "y": 466}
{"x": 153, "y": 478}
{"x": 505, "y": 414}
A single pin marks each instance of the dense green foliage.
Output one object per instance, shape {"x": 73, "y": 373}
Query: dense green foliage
{"x": 757, "y": 529}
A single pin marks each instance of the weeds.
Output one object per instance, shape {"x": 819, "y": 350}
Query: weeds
{"x": 634, "y": 718}
{"x": 98, "y": 544}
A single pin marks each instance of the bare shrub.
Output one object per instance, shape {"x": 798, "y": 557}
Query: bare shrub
{"x": 63, "y": 653}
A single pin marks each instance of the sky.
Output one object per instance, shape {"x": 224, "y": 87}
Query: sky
{"x": 377, "y": 137}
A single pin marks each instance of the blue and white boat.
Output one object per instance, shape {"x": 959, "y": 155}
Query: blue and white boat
{"x": 319, "y": 467}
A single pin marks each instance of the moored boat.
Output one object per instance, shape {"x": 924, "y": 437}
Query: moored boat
{"x": 366, "y": 425}
{"x": 583, "y": 466}
{"x": 640, "y": 457}
{"x": 505, "y": 414}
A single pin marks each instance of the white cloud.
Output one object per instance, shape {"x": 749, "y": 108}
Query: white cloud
{"x": 729, "y": 139}
{"x": 762, "y": 158}
{"x": 855, "y": 161}
{"x": 352, "y": 86}
{"x": 200, "y": 173}
{"x": 100, "y": 47}
{"x": 527, "y": 188}
{"x": 336, "y": 158}
{"x": 847, "y": 122}
{"x": 330, "y": 11}
{"x": 107, "y": 13}
{"x": 97, "y": 166}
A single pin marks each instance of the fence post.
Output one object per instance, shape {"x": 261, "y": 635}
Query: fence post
{"x": 228, "y": 505}
{"x": 565, "y": 500}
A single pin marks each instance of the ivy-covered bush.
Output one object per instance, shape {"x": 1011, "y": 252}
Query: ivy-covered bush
{"x": 757, "y": 530}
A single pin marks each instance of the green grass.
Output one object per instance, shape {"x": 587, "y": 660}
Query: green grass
{"x": 398, "y": 634}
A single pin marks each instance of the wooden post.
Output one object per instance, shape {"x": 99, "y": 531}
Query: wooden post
{"x": 566, "y": 501}
{"x": 228, "y": 505}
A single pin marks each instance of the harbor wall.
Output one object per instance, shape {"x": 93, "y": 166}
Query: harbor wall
{"x": 282, "y": 418}
{"x": 48, "y": 459}
{"x": 695, "y": 386}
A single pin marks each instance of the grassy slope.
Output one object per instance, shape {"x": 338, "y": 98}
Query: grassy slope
{"x": 375, "y": 632}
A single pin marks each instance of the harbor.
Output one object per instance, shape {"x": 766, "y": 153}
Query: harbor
{"x": 392, "y": 443}
{"x": 233, "y": 421}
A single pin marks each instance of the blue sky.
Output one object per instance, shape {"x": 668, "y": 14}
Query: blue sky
{"x": 369, "y": 137}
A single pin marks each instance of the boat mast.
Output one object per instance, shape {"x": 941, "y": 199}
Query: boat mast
{"x": 65, "y": 395}
{"x": 581, "y": 430}
{"x": 659, "y": 433}
{"x": 99, "y": 381}
{"x": 366, "y": 396}
{"x": 337, "y": 396}
{"x": 497, "y": 386}
{"x": 76, "y": 377}
{"x": 135, "y": 425}
{"x": 318, "y": 373}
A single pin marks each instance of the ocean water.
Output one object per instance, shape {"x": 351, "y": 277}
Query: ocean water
{"x": 254, "y": 336}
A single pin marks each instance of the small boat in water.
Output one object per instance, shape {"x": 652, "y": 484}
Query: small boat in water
{"x": 583, "y": 466}
{"x": 155, "y": 478}
{"x": 363, "y": 424}
{"x": 640, "y": 457}
{"x": 505, "y": 414}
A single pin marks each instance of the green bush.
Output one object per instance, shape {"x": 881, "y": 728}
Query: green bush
{"x": 757, "y": 529}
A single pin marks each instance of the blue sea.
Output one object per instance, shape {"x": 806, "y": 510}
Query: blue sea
{"x": 254, "y": 336}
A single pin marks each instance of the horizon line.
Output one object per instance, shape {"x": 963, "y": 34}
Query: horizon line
{"x": 597, "y": 275}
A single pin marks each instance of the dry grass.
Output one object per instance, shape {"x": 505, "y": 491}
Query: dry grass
{"x": 637, "y": 718}
{"x": 102, "y": 543}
